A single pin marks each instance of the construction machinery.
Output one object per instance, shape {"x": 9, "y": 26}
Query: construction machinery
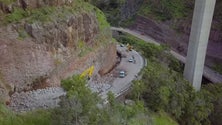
{"x": 129, "y": 47}
{"x": 88, "y": 72}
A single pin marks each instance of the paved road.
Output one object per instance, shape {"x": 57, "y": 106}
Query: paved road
{"x": 49, "y": 97}
{"x": 120, "y": 85}
{"x": 208, "y": 73}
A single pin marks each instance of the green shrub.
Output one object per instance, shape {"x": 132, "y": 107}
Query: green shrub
{"x": 164, "y": 9}
{"x": 8, "y": 117}
{"x": 101, "y": 19}
{"x": 138, "y": 88}
{"x": 149, "y": 50}
{"x": 216, "y": 91}
{"x": 75, "y": 85}
{"x": 175, "y": 64}
{"x": 7, "y": 2}
{"x": 111, "y": 8}
{"x": 162, "y": 118}
{"x": 43, "y": 14}
{"x": 218, "y": 67}
{"x": 16, "y": 15}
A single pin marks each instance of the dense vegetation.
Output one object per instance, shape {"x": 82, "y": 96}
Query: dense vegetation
{"x": 156, "y": 9}
{"x": 8, "y": 117}
{"x": 112, "y": 9}
{"x": 162, "y": 88}
{"x": 217, "y": 67}
{"x": 50, "y": 13}
{"x": 159, "y": 97}
{"x": 7, "y": 1}
{"x": 165, "y": 9}
{"x": 166, "y": 90}
{"x": 81, "y": 106}
{"x": 159, "y": 10}
{"x": 216, "y": 91}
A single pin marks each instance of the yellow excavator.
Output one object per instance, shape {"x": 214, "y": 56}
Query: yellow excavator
{"x": 129, "y": 47}
{"x": 88, "y": 72}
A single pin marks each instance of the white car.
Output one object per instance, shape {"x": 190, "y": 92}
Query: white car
{"x": 122, "y": 74}
{"x": 131, "y": 60}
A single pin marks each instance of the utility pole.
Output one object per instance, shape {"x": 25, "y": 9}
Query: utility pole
{"x": 200, "y": 30}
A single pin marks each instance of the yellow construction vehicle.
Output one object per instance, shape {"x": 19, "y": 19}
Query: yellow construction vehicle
{"x": 129, "y": 47}
{"x": 88, "y": 72}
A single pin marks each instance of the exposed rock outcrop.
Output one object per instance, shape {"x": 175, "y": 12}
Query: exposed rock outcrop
{"x": 4, "y": 8}
{"x": 118, "y": 11}
{"x": 31, "y": 4}
{"x": 130, "y": 8}
{"x": 110, "y": 62}
{"x": 60, "y": 34}
{"x": 40, "y": 3}
{"x": 50, "y": 51}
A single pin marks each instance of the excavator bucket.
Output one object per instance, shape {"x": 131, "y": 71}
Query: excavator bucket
{"x": 88, "y": 72}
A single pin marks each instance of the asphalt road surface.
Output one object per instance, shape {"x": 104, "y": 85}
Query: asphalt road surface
{"x": 210, "y": 74}
{"x": 120, "y": 85}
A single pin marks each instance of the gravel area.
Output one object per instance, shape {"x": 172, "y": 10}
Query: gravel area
{"x": 37, "y": 99}
{"x": 99, "y": 87}
{"x": 46, "y": 98}
{"x": 49, "y": 97}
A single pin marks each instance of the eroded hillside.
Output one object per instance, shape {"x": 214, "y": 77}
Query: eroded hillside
{"x": 42, "y": 42}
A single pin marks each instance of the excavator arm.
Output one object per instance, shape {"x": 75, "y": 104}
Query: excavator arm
{"x": 88, "y": 72}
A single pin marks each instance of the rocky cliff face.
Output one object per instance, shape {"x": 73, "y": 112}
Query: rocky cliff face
{"x": 130, "y": 8}
{"x": 7, "y": 6}
{"x": 36, "y": 54}
{"x": 118, "y": 11}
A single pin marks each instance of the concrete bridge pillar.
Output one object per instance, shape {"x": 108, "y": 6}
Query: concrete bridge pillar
{"x": 201, "y": 24}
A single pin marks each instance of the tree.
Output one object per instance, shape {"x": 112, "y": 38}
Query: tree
{"x": 216, "y": 95}
{"x": 137, "y": 89}
{"x": 167, "y": 90}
